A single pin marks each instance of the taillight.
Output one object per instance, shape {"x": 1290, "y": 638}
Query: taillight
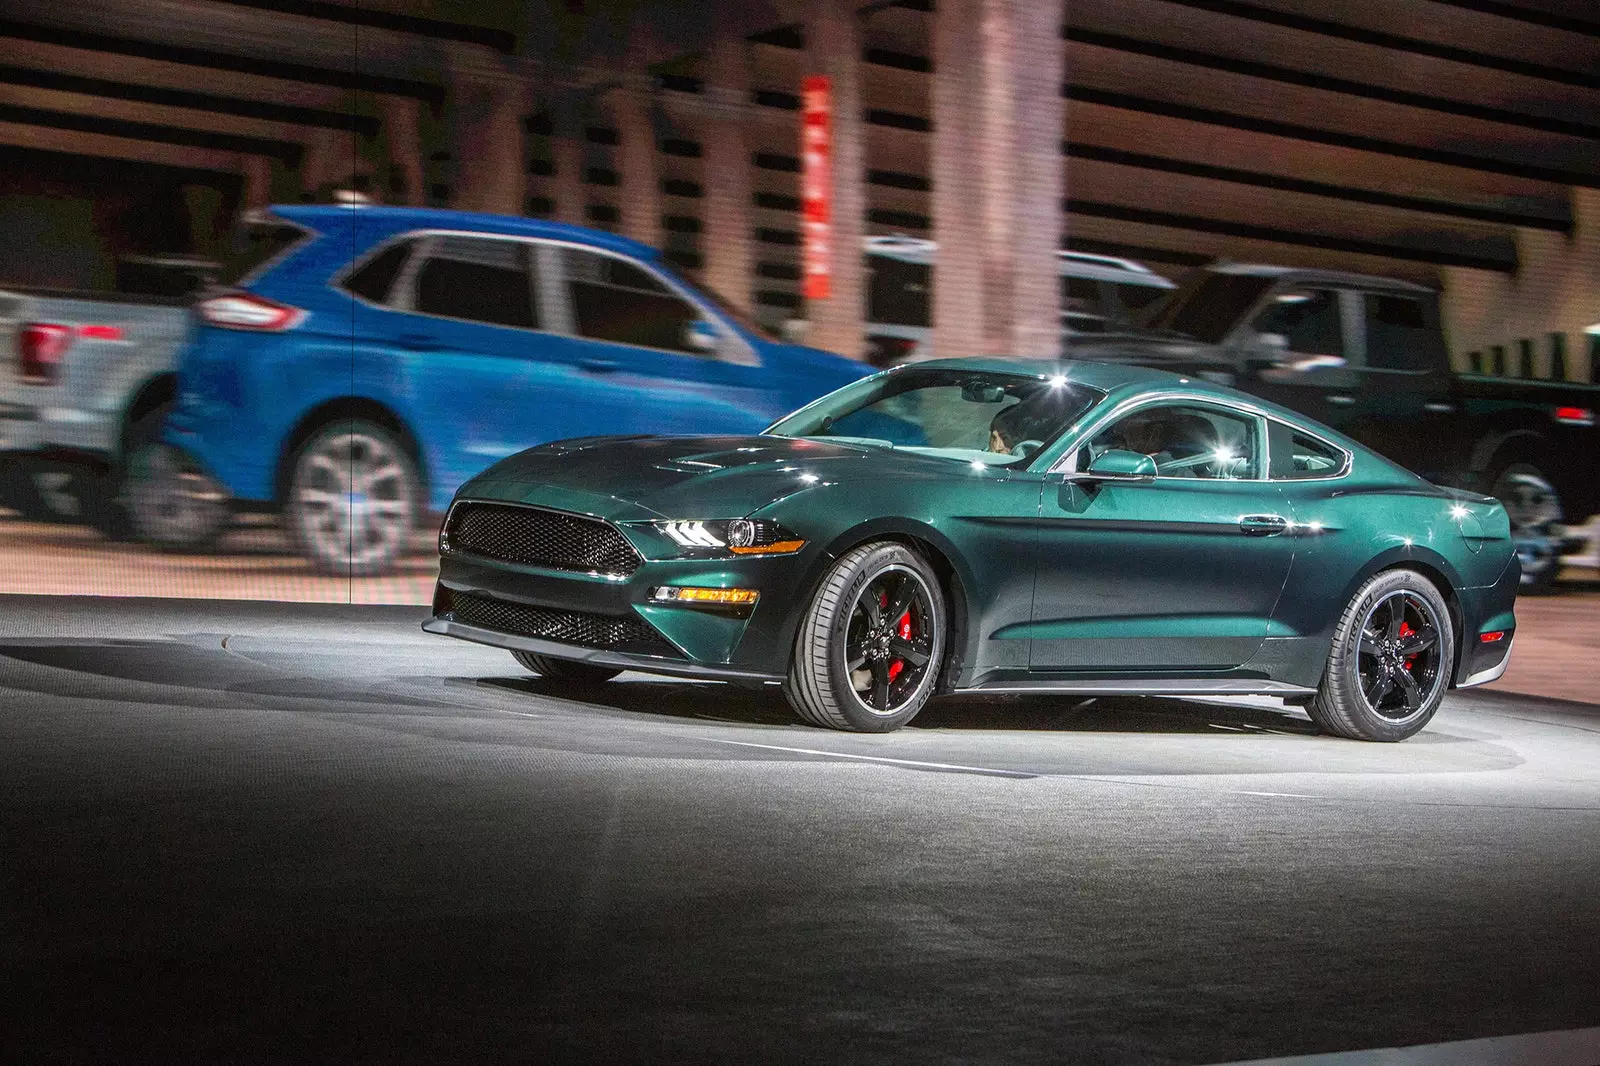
{"x": 243, "y": 310}
{"x": 1575, "y": 416}
{"x": 41, "y": 346}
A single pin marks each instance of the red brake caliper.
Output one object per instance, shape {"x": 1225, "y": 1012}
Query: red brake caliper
{"x": 904, "y": 629}
{"x": 1406, "y": 631}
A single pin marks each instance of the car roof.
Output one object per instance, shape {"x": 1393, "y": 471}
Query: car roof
{"x": 382, "y": 221}
{"x": 1312, "y": 276}
{"x": 1072, "y": 264}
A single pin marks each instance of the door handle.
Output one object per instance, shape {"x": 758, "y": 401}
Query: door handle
{"x": 599, "y": 366}
{"x": 1341, "y": 400}
{"x": 418, "y": 342}
{"x": 1439, "y": 407}
{"x": 1263, "y": 525}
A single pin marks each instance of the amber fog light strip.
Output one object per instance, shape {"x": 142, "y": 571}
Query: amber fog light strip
{"x": 778, "y": 547}
{"x": 708, "y": 597}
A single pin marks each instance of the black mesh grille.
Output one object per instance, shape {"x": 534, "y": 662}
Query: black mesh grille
{"x": 537, "y": 537}
{"x": 631, "y": 634}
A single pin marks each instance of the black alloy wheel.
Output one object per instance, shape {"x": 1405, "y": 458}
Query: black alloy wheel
{"x": 889, "y": 644}
{"x": 1390, "y": 662}
{"x": 868, "y": 651}
{"x": 1398, "y": 656}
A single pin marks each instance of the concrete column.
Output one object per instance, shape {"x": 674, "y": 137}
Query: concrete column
{"x": 487, "y": 142}
{"x": 400, "y": 128}
{"x": 998, "y": 176}
{"x": 1033, "y": 38}
{"x": 256, "y": 170}
{"x": 566, "y": 149}
{"x": 958, "y": 319}
{"x": 728, "y": 241}
{"x": 833, "y": 47}
{"x": 637, "y": 162}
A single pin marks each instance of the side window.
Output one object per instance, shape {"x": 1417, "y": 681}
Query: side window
{"x": 1307, "y": 320}
{"x": 375, "y": 278}
{"x": 478, "y": 280}
{"x": 614, "y": 300}
{"x": 1081, "y": 305}
{"x": 1296, "y": 455}
{"x": 1184, "y": 441}
{"x": 1397, "y": 334}
{"x": 898, "y": 293}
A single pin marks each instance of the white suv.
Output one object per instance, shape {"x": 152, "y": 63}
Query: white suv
{"x": 1098, "y": 294}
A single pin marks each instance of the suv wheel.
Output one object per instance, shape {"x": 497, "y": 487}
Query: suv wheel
{"x": 1393, "y": 652}
{"x": 869, "y": 647}
{"x": 354, "y": 494}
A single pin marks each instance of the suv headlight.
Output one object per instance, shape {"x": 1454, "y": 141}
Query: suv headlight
{"x": 741, "y": 536}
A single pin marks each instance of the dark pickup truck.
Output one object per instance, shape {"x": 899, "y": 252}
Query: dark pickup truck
{"x": 1366, "y": 355}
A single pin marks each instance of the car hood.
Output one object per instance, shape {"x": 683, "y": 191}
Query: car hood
{"x": 634, "y": 478}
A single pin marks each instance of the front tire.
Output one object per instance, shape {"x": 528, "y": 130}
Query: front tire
{"x": 354, "y": 496}
{"x": 564, "y": 672}
{"x": 1393, "y": 652}
{"x": 868, "y": 650}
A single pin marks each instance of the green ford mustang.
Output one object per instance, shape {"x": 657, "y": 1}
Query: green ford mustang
{"x": 993, "y": 525}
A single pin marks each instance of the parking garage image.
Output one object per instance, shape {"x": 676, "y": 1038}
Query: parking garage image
{"x": 970, "y": 531}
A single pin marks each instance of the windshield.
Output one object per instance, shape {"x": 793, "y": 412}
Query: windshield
{"x": 1206, "y": 306}
{"x": 974, "y": 416}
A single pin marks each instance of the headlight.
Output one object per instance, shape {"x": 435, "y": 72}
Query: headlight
{"x": 741, "y": 536}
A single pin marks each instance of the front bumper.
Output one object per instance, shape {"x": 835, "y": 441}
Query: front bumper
{"x": 683, "y": 640}
{"x": 653, "y": 664}
{"x": 1485, "y": 610}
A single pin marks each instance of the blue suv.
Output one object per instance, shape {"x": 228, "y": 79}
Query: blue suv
{"x": 382, "y": 356}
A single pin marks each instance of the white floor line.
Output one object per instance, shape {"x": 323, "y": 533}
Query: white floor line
{"x": 1564, "y": 1047}
{"x": 876, "y": 758}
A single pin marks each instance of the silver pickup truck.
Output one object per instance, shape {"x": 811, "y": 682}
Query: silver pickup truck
{"x": 87, "y": 378}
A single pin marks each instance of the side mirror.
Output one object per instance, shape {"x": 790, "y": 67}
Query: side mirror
{"x": 701, "y": 336}
{"x": 1118, "y": 465}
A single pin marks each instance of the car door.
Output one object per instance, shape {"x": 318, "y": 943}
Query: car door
{"x": 1179, "y": 572}
{"x": 1301, "y": 349}
{"x": 1404, "y": 407}
{"x": 654, "y": 359}
{"x": 470, "y": 336}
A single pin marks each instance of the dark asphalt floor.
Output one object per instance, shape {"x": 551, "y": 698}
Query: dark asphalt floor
{"x": 272, "y": 833}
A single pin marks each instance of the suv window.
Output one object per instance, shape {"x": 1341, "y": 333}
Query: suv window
{"x": 1184, "y": 441}
{"x": 1294, "y": 455}
{"x": 620, "y": 302}
{"x": 1397, "y": 333}
{"x": 374, "y": 280}
{"x": 1307, "y": 319}
{"x": 478, "y": 280}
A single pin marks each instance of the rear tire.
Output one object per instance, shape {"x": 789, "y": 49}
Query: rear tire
{"x": 565, "y": 672}
{"x": 1534, "y": 507}
{"x": 354, "y": 498}
{"x": 868, "y": 650}
{"x": 1390, "y": 665}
